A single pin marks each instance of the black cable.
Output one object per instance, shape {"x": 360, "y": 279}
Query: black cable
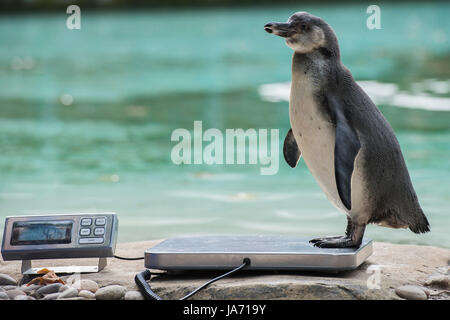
{"x": 243, "y": 265}
{"x": 125, "y": 258}
{"x": 141, "y": 282}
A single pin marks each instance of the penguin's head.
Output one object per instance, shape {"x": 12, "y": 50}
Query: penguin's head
{"x": 304, "y": 33}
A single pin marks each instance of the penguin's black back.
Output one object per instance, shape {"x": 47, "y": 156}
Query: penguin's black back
{"x": 391, "y": 192}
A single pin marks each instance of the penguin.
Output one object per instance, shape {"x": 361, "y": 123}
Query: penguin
{"x": 344, "y": 139}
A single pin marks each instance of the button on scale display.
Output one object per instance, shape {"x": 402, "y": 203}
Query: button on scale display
{"x": 85, "y": 232}
{"x": 99, "y": 231}
{"x": 86, "y": 222}
{"x": 90, "y": 240}
{"x": 100, "y": 221}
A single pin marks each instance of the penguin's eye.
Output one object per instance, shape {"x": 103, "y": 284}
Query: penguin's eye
{"x": 304, "y": 27}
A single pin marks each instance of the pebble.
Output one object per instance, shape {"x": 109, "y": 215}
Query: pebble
{"x": 52, "y": 296}
{"x": 69, "y": 293}
{"x": 29, "y": 290}
{"x": 112, "y": 292}
{"x": 6, "y": 280}
{"x": 14, "y": 293}
{"x": 2, "y": 290}
{"x": 440, "y": 281}
{"x": 6, "y": 288}
{"x": 73, "y": 298}
{"x": 48, "y": 289}
{"x": 4, "y": 296}
{"x": 86, "y": 284}
{"x": 69, "y": 280}
{"x": 133, "y": 295}
{"x": 427, "y": 291}
{"x": 24, "y": 297}
{"x": 63, "y": 288}
{"x": 86, "y": 294}
{"x": 411, "y": 292}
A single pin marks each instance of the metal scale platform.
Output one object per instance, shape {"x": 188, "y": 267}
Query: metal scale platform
{"x": 265, "y": 253}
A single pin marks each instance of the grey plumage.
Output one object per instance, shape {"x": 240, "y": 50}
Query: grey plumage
{"x": 362, "y": 136}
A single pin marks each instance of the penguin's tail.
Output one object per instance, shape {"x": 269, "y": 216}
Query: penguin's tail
{"x": 420, "y": 224}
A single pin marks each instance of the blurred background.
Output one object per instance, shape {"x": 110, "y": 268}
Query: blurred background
{"x": 86, "y": 115}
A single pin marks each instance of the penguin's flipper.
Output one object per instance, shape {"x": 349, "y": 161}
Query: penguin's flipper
{"x": 291, "y": 150}
{"x": 346, "y": 148}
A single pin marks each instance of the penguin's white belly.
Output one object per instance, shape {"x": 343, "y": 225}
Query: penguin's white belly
{"x": 315, "y": 136}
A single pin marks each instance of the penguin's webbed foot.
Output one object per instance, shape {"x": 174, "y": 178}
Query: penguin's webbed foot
{"x": 339, "y": 242}
{"x": 315, "y": 240}
{"x": 352, "y": 238}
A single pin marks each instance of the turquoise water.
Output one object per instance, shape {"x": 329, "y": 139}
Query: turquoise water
{"x": 136, "y": 76}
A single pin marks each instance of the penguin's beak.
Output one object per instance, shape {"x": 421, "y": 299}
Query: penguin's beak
{"x": 284, "y": 30}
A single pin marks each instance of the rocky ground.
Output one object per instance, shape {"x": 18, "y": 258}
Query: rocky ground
{"x": 392, "y": 272}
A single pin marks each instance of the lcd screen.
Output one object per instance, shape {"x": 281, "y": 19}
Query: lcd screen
{"x": 41, "y": 232}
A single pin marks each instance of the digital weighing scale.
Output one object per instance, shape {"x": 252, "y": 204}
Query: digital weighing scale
{"x": 264, "y": 252}
{"x": 94, "y": 235}
{"x": 61, "y": 236}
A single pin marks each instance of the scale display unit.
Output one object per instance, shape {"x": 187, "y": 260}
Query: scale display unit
{"x": 60, "y": 236}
